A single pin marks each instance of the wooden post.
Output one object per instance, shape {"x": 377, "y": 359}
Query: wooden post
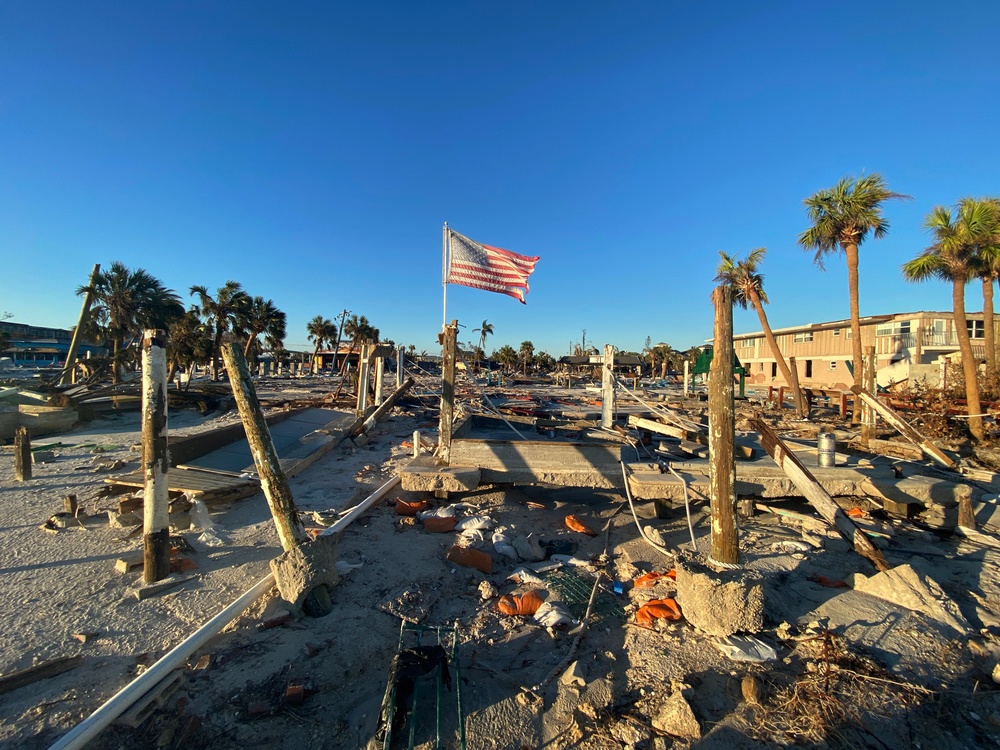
{"x": 608, "y": 387}
{"x": 70, "y": 505}
{"x": 69, "y": 371}
{"x": 722, "y": 433}
{"x": 22, "y": 454}
{"x": 379, "y": 376}
{"x": 291, "y": 533}
{"x": 868, "y": 383}
{"x": 156, "y": 499}
{"x": 447, "y": 338}
{"x": 801, "y": 405}
{"x": 687, "y": 377}
{"x": 818, "y": 497}
{"x": 363, "y": 371}
{"x": 400, "y": 355}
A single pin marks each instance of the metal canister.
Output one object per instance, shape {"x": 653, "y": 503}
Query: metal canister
{"x": 826, "y": 445}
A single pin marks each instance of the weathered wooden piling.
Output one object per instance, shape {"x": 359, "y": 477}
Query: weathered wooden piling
{"x": 156, "y": 499}
{"x": 722, "y": 432}
{"x": 291, "y": 532}
{"x": 22, "y": 454}
{"x": 447, "y": 338}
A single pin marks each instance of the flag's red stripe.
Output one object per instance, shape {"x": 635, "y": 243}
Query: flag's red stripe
{"x": 475, "y": 270}
{"x": 515, "y": 293}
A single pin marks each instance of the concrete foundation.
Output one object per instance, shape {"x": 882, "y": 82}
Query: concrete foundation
{"x": 723, "y": 603}
{"x": 307, "y": 573}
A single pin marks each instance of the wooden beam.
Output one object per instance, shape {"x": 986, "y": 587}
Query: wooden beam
{"x": 722, "y": 433}
{"x": 904, "y": 428}
{"x": 658, "y": 427}
{"x": 817, "y": 496}
{"x": 42, "y": 671}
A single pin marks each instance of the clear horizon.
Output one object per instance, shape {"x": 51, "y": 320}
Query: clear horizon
{"x": 313, "y": 152}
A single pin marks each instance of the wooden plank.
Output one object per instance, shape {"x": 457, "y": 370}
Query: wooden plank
{"x": 817, "y": 496}
{"x": 46, "y": 669}
{"x": 658, "y": 427}
{"x": 904, "y": 428}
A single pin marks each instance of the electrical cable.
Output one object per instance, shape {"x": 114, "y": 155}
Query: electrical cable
{"x": 642, "y": 531}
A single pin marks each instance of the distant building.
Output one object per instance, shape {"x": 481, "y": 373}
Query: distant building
{"x": 908, "y": 346}
{"x": 34, "y": 346}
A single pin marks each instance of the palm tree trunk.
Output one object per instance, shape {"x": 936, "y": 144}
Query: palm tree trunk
{"x": 116, "y": 373}
{"x": 851, "y": 250}
{"x": 988, "y": 332}
{"x": 776, "y": 353}
{"x": 216, "y": 352}
{"x": 968, "y": 362}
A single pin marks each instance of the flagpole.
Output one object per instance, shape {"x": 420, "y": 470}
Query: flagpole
{"x": 444, "y": 273}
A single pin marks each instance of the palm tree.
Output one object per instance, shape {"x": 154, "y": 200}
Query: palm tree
{"x": 747, "y": 284}
{"x": 506, "y": 356}
{"x": 485, "y": 330}
{"x": 526, "y": 352}
{"x": 340, "y": 331}
{"x": 987, "y": 269}
{"x": 224, "y": 312}
{"x": 361, "y": 332}
{"x": 261, "y": 316}
{"x": 958, "y": 239}
{"x": 320, "y": 330}
{"x": 190, "y": 342}
{"x": 124, "y": 303}
{"x": 844, "y": 216}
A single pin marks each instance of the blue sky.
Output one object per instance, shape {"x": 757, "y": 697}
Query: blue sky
{"x": 313, "y": 150}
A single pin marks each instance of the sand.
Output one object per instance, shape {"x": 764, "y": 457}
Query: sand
{"x": 920, "y": 684}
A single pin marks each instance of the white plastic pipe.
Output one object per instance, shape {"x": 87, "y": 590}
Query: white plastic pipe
{"x": 361, "y": 507}
{"x": 86, "y": 730}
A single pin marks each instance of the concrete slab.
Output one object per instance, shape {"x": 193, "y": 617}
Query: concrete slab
{"x": 424, "y": 474}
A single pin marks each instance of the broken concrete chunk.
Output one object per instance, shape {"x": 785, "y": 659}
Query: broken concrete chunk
{"x": 720, "y": 603}
{"x": 676, "y": 718}
{"x": 907, "y": 588}
{"x": 529, "y": 548}
{"x": 303, "y": 570}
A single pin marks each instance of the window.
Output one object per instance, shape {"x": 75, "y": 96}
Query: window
{"x": 833, "y": 365}
{"x": 836, "y": 332}
{"x": 762, "y": 367}
{"x": 774, "y": 369}
{"x": 976, "y": 329}
{"x": 893, "y": 328}
{"x": 802, "y": 338}
{"x": 809, "y": 368}
{"x": 850, "y": 334}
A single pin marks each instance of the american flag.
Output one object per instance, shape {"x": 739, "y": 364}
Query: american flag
{"x": 491, "y": 268}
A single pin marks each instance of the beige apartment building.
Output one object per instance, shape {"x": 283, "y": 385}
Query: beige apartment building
{"x": 908, "y": 346}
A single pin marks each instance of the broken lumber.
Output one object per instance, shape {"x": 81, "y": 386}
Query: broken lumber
{"x": 818, "y": 497}
{"x": 42, "y": 671}
{"x": 904, "y": 428}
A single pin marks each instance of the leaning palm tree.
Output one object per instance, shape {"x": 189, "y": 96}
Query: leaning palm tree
{"x": 321, "y": 330}
{"x": 262, "y": 316}
{"x": 987, "y": 269}
{"x": 124, "y": 303}
{"x": 843, "y": 217}
{"x": 958, "y": 239}
{"x": 485, "y": 330}
{"x": 747, "y": 284}
{"x": 223, "y": 311}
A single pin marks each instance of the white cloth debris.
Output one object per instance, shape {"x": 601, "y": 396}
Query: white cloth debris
{"x": 200, "y": 518}
{"x": 575, "y": 562}
{"x": 523, "y": 575}
{"x": 344, "y": 567}
{"x": 473, "y": 538}
{"x": 475, "y": 522}
{"x": 503, "y": 547}
{"x": 445, "y": 511}
{"x": 554, "y": 615}
{"x": 746, "y": 648}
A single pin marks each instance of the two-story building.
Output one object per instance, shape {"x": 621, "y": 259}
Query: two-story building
{"x": 908, "y": 346}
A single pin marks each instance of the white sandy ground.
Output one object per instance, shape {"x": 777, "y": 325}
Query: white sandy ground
{"x": 54, "y": 585}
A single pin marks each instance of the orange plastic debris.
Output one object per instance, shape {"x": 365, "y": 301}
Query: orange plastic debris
{"x": 525, "y": 604}
{"x": 647, "y": 580}
{"x": 471, "y": 558}
{"x": 653, "y": 610}
{"x": 440, "y": 525}
{"x": 407, "y": 508}
{"x": 857, "y": 513}
{"x": 575, "y": 524}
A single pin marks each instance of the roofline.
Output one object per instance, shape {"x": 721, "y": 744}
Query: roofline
{"x": 865, "y": 321}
